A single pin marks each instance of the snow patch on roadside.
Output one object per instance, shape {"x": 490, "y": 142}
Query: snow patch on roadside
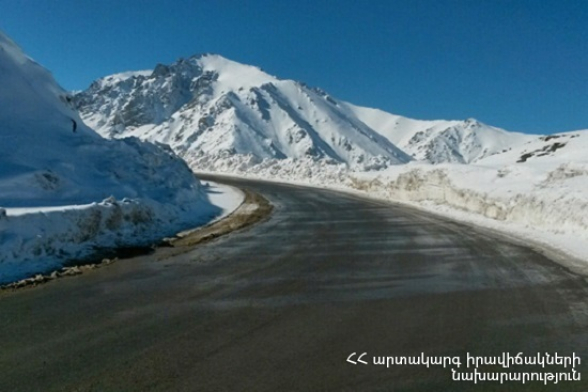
{"x": 227, "y": 198}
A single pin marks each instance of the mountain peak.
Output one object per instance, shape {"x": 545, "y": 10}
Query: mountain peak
{"x": 210, "y": 104}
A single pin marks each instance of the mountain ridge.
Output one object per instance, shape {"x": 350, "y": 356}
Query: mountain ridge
{"x": 212, "y": 105}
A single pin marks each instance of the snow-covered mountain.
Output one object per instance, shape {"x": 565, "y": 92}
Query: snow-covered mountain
{"x": 210, "y": 105}
{"x": 440, "y": 141}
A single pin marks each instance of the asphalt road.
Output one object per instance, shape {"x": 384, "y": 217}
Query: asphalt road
{"x": 280, "y": 306}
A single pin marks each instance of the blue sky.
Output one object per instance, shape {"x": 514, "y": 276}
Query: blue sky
{"x": 521, "y": 65}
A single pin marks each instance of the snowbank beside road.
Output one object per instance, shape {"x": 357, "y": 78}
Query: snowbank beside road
{"x": 38, "y": 240}
{"x": 548, "y": 213}
{"x": 54, "y": 171}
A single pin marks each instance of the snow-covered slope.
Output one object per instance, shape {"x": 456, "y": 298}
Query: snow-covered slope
{"x": 208, "y": 105}
{"x": 440, "y": 141}
{"x": 550, "y": 150}
{"x": 48, "y": 157}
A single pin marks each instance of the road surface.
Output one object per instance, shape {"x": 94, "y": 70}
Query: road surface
{"x": 281, "y": 306}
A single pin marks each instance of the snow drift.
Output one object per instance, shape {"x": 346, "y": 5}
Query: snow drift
{"x": 49, "y": 158}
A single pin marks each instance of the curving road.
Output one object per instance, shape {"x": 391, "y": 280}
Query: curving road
{"x": 279, "y": 307}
